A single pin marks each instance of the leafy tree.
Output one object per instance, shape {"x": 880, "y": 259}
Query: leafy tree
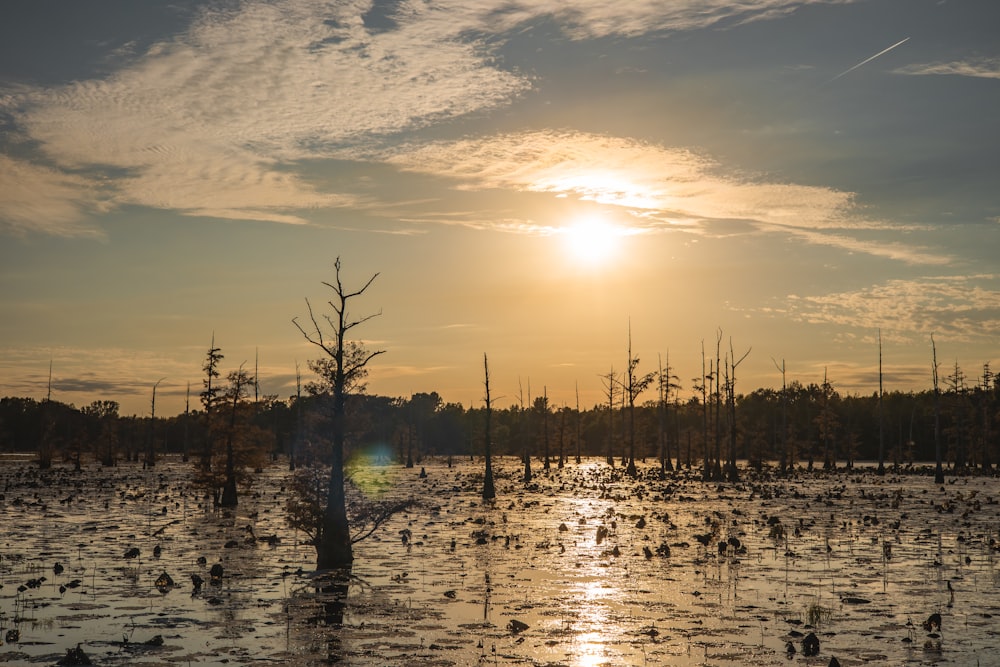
{"x": 238, "y": 389}
{"x": 103, "y": 416}
{"x": 421, "y": 410}
{"x": 209, "y": 397}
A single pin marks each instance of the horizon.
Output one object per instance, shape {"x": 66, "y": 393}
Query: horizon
{"x": 533, "y": 181}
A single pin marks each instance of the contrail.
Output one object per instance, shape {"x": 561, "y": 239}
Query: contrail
{"x": 868, "y": 60}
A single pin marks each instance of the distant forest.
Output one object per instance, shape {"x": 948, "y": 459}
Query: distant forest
{"x": 801, "y": 426}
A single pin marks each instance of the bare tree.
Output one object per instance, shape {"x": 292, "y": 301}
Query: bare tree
{"x": 562, "y": 436}
{"x": 783, "y": 458}
{"x": 717, "y": 405}
{"x": 666, "y": 385}
{"x": 881, "y": 429}
{"x": 987, "y": 390}
{"x": 524, "y": 424}
{"x": 938, "y": 470}
{"x": 150, "y": 459}
{"x": 706, "y": 378}
{"x": 187, "y": 420}
{"x": 634, "y": 385}
{"x": 731, "y": 470}
{"x": 610, "y": 383}
{"x": 297, "y": 439}
{"x": 489, "y": 491}
{"x": 542, "y": 405}
{"x": 347, "y": 369}
{"x": 577, "y": 421}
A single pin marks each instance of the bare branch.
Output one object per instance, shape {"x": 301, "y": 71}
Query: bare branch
{"x": 373, "y": 515}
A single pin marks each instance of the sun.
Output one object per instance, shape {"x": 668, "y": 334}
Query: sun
{"x": 592, "y": 241}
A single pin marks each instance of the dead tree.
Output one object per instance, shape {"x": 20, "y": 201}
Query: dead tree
{"x": 542, "y": 404}
{"x": 938, "y": 470}
{"x": 731, "y": 470}
{"x": 610, "y": 382}
{"x": 489, "y": 491}
{"x": 783, "y": 458}
{"x": 881, "y": 429}
{"x": 524, "y": 424}
{"x": 150, "y": 459}
{"x": 706, "y": 378}
{"x": 577, "y": 422}
{"x": 349, "y": 360}
{"x": 634, "y": 385}
{"x": 666, "y": 385}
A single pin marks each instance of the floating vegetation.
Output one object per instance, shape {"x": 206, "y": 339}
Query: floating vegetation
{"x": 587, "y": 566}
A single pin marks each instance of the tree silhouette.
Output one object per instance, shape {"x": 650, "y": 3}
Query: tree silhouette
{"x": 881, "y": 420}
{"x": 346, "y": 369}
{"x": 239, "y": 388}
{"x": 209, "y": 396}
{"x": 634, "y": 385}
{"x": 489, "y": 491}
{"x": 610, "y": 384}
{"x": 938, "y": 470}
{"x": 731, "y": 471}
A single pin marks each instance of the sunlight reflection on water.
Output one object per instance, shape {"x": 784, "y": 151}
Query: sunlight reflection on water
{"x": 655, "y": 589}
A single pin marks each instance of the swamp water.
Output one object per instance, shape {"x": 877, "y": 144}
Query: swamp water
{"x": 584, "y": 567}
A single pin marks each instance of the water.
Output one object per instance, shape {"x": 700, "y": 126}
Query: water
{"x": 860, "y": 561}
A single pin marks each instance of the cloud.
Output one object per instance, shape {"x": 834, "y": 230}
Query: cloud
{"x": 214, "y": 121}
{"x": 958, "y": 308}
{"x": 588, "y": 19}
{"x": 204, "y": 124}
{"x": 35, "y": 197}
{"x": 877, "y": 248}
{"x": 662, "y": 187}
{"x": 862, "y": 379}
{"x": 987, "y": 68}
{"x": 134, "y": 371}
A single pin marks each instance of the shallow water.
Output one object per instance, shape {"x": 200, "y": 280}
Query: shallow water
{"x": 863, "y": 562}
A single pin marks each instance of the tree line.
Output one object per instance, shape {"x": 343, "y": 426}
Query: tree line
{"x": 232, "y": 428}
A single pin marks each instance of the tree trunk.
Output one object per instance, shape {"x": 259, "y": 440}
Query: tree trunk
{"x": 334, "y": 550}
{"x": 489, "y": 490}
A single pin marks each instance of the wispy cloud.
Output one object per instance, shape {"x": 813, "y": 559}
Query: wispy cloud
{"x": 203, "y": 124}
{"x": 35, "y": 197}
{"x": 214, "y": 121}
{"x": 662, "y": 187}
{"x": 987, "y": 68}
{"x": 959, "y": 308}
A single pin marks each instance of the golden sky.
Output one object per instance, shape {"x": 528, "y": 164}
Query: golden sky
{"x": 530, "y": 180}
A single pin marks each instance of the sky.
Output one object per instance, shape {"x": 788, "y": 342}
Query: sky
{"x": 537, "y": 181}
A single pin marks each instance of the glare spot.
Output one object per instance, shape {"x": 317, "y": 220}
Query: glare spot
{"x": 593, "y": 241}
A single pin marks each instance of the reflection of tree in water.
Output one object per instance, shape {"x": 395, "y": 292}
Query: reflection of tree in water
{"x": 317, "y": 610}
{"x": 337, "y": 615}
{"x": 232, "y": 544}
